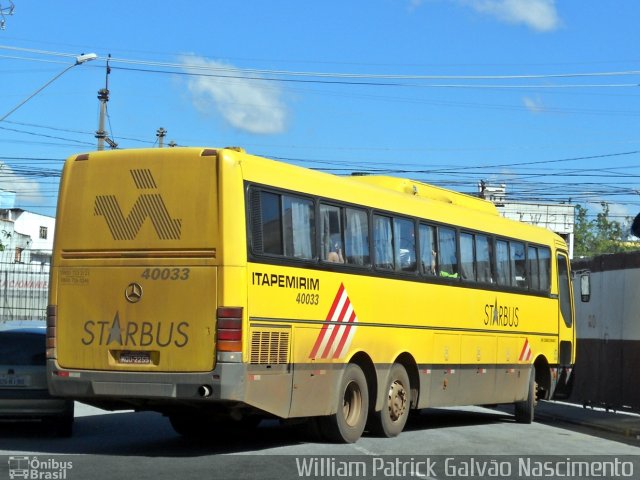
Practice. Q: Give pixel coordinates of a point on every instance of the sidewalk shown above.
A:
(621, 423)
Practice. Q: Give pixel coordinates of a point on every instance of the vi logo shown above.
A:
(148, 205)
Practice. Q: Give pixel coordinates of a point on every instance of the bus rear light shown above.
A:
(229, 312)
(229, 323)
(226, 334)
(52, 320)
(229, 329)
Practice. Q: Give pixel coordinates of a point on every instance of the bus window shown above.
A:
(405, 244)
(299, 227)
(271, 223)
(518, 264)
(428, 249)
(356, 236)
(467, 264)
(502, 263)
(483, 259)
(383, 242)
(533, 268)
(544, 256)
(564, 289)
(331, 234)
(447, 249)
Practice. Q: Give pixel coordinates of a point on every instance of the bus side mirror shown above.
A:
(585, 287)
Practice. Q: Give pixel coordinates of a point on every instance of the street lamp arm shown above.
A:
(79, 61)
(36, 92)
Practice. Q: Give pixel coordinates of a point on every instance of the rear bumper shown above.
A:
(122, 390)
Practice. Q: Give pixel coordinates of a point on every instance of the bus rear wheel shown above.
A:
(524, 410)
(390, 421)
(347, 424)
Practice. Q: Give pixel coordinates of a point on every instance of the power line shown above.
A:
(375, 79)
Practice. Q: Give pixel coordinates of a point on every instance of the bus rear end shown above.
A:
(135, 318)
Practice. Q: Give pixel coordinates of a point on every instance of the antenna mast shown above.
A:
(103, 96)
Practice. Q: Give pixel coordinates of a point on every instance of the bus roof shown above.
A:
(424, 190)
(400, 195)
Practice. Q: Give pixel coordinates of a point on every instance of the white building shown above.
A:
(557, 217)
(27, 241)
(25, 236)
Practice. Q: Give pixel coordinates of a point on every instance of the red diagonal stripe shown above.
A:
(345, 335)
(336, 327)
(524, 349)
(323, 330)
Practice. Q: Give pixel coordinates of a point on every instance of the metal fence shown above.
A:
(24, 285)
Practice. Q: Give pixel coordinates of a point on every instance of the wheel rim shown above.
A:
(397, 401)
(352, 404)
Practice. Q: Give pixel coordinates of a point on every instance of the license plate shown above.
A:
(135, 358)
(14, 380)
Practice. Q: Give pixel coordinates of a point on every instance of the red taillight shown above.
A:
(52, 318)
(229, 329)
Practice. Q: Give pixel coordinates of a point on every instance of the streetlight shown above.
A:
(80, 59)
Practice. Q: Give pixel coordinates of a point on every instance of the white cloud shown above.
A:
(540, 15)
(27, 190)
(255, 106)
(618, 212)
(533, 105)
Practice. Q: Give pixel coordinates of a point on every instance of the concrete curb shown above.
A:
(625, 424)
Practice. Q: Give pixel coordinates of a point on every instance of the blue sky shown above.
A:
(540, 95)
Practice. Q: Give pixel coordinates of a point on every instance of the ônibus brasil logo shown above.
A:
(32, 467)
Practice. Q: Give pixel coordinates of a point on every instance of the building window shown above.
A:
(19, 254)
(43, 233)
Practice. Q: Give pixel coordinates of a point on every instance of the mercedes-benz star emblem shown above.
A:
(133, 293)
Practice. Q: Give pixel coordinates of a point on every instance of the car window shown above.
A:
(19, 348)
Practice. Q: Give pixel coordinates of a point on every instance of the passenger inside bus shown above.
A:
(335, 254)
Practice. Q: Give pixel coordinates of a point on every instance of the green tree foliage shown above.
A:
(599, 235)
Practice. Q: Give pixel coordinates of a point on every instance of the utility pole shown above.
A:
(103, 96)
(5, 11)
(161, 133)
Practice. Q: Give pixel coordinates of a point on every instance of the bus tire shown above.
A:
(347, 424)
(390, 421)
(524, 410)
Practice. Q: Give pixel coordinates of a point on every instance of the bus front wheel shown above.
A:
(347, 424)
(525, 409)
(390, 421)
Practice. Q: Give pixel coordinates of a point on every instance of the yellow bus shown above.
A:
(220, 288)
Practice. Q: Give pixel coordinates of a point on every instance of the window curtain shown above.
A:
(383, 242)
(301, 219)
(357, 243)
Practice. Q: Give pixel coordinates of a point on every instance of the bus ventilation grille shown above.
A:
(269, 347)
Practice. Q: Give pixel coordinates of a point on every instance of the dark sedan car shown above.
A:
(23, 379)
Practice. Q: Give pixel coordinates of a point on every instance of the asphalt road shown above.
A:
(143, 445)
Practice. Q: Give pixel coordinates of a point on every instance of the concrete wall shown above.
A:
(608, 331)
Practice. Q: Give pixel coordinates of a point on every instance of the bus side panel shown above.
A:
(445, 387)
(314, 389)
(269, 368)
(478, 374)
(512, 376)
